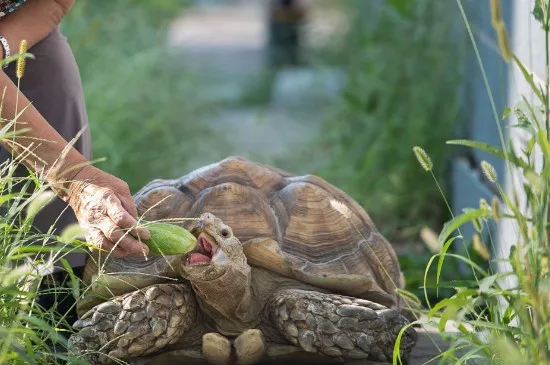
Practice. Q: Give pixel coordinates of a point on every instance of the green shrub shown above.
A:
(403, 68)
(503, 312)
(33, 327)
(30, 332)
(140, 103)
(145, 118)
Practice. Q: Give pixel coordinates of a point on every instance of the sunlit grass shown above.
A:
(502, 316)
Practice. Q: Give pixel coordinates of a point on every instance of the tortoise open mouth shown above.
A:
(203, 253)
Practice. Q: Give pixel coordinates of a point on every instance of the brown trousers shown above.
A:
(52, 83)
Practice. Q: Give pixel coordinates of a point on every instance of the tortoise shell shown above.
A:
(287, 224)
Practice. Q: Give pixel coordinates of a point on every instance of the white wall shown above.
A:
(527, 42)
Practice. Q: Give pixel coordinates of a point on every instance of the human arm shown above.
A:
(33, 21)
(102, 202)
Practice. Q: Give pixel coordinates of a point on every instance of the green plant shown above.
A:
(503, 316)
(125, 83)
(145, 116)
(32, 327)
(401, 91)
(30, 333)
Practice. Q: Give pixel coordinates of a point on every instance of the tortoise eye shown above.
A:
(225, 232)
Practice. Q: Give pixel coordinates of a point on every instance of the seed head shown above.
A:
(480, 248)
(20, 67)
(495, 207)
(496, 15)
(498, 26)
(341, 208)
(483, 204)
(489, 171)
(423, 159)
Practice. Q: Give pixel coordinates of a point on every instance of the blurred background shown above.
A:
(339, 88)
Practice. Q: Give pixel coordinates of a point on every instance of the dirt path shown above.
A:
(224, 42)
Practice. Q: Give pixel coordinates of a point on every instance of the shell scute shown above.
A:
(286, 224)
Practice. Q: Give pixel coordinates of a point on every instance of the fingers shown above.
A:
(124, 220)
(111, 225)
(98, 241)
(122, 238)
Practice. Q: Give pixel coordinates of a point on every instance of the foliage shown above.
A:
(502, 314)
(32, 329)
(145, 118)
(29, 331)
(403, 71)
(130, 84)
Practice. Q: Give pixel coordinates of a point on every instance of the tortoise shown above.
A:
(287, 268)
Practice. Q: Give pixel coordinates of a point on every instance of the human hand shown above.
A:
(105, 209)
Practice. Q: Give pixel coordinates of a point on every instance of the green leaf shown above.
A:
(508, 351)
(544, 145)
(444, 250)
(402, 6)
(530, 146)
(8, 197)
(426, 279)
(506, 113)
(450, 313)
(536, 182)
(39, 323)
(472, 264)
(538, 12)
(408, 295)
(15, 57)
(72, 233)
(449, 302)
(529, 78)
(487, 282)
(458, 221)
(38, 202)
(479, 145)
(75, 284)
(397, 345)
(489, 149)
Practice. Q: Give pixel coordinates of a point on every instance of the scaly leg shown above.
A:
(135, 324)
(339, 326)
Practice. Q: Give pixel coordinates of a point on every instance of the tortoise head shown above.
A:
(217, 251)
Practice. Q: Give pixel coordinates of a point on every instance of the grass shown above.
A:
(498, 322)
(130, 84)
(502, 312)
(143, 107)
(33, 327)
(403, 66)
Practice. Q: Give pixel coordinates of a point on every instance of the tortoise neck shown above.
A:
(229, 300)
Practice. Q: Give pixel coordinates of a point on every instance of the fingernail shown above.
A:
(145, 252)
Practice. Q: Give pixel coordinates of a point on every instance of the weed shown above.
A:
(503, 315)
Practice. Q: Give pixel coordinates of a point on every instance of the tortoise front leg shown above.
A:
(135, 324)
(339, 326)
